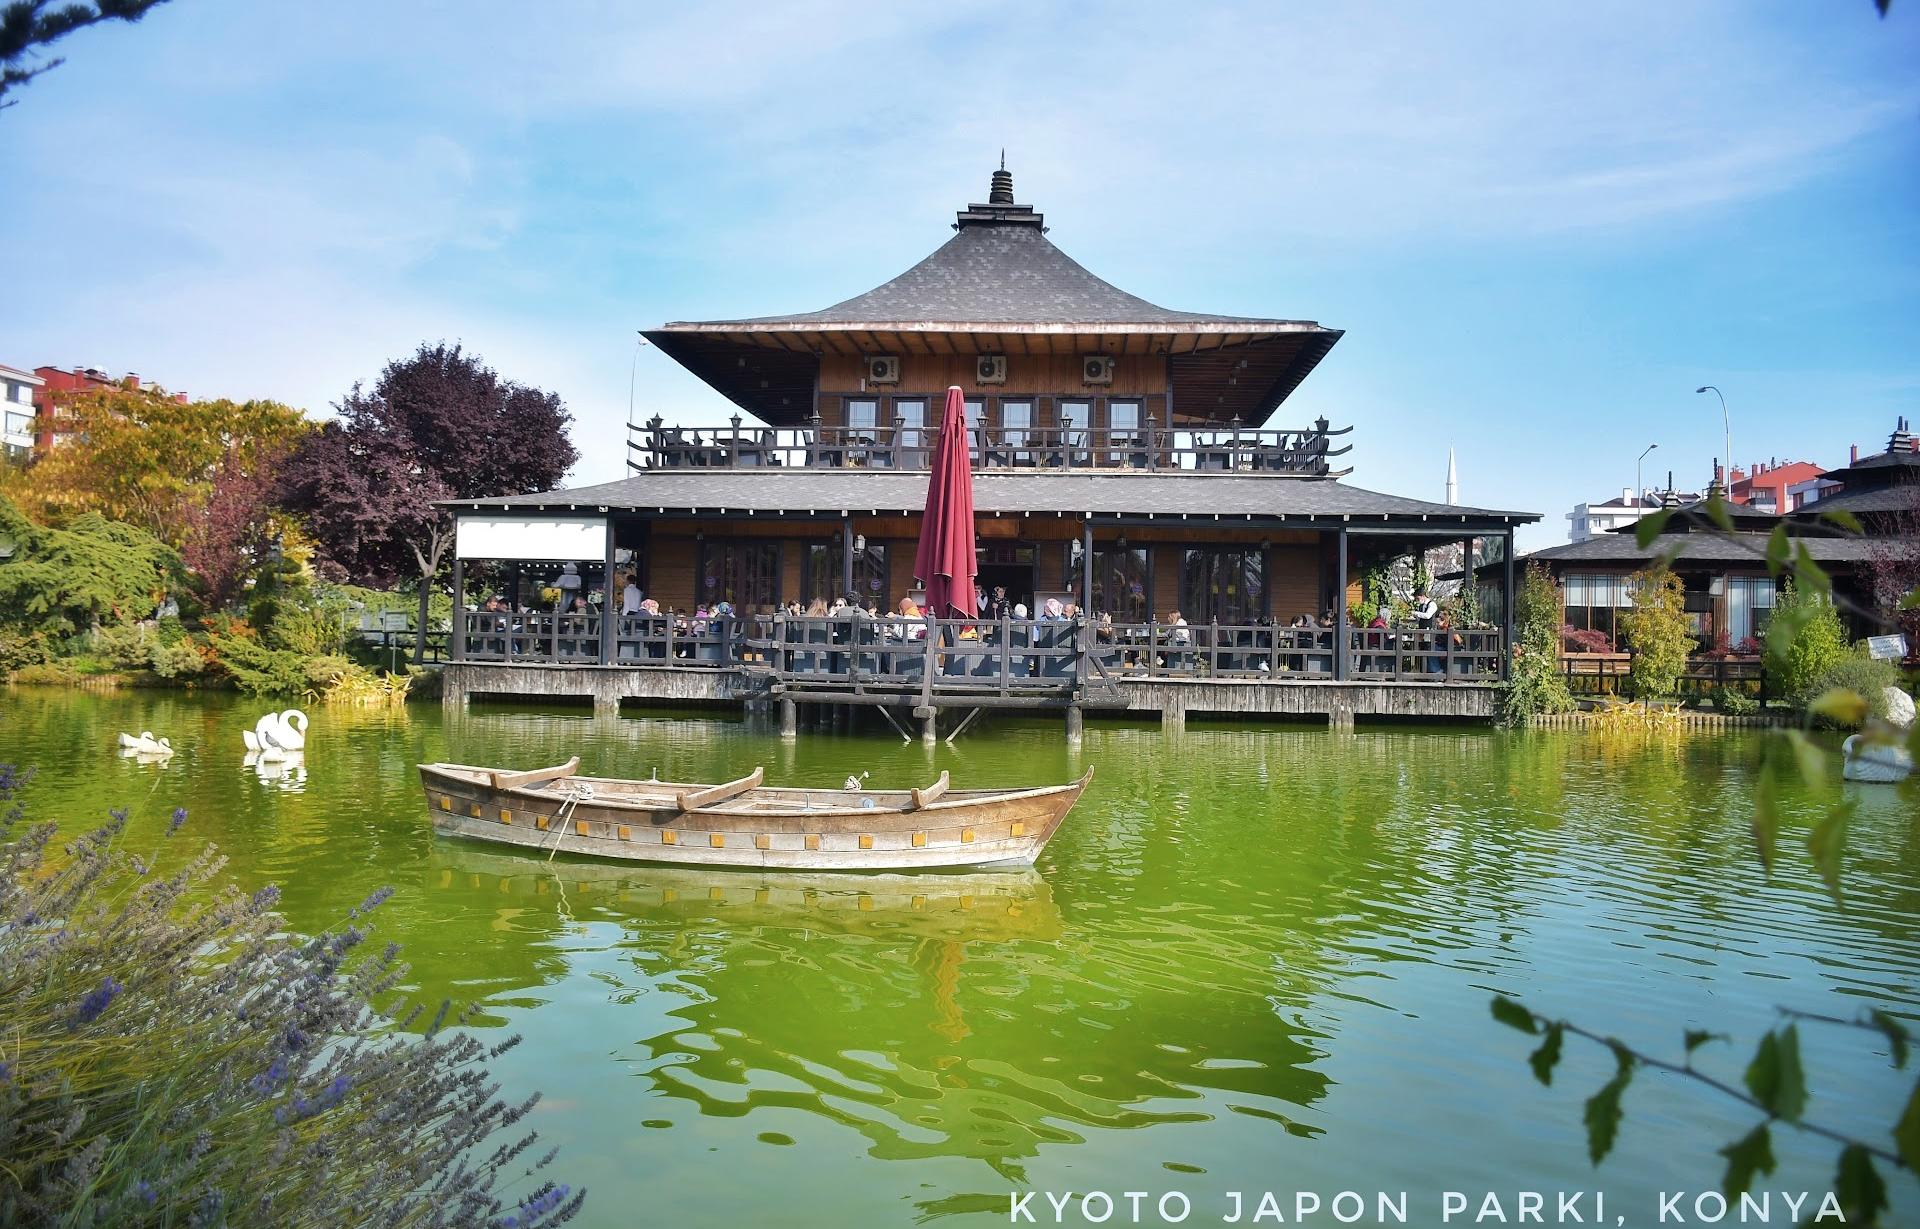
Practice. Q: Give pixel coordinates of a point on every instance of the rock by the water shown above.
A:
(1899, 709)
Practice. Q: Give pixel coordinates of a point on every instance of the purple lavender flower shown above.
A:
(374, 900)
(267, 897)
(535, 1207)
(6, 1072)
(179, 817)
(144, 1189)
(95, 1002)
(118, 815)
(269, 1079)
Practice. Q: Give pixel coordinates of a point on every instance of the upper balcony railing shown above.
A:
(901, 446)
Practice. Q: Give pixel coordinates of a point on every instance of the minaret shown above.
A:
(1453, 480)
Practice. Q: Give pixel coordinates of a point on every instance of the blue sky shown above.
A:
(1542, 226)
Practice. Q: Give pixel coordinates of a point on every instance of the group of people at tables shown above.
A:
(713, 632)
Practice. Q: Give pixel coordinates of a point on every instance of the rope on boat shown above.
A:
(576, 792)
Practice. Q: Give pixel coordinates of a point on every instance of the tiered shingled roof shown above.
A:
(1000, 286)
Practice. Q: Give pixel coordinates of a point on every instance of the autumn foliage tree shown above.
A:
(437, 425)
(200, 476)
(141, 457)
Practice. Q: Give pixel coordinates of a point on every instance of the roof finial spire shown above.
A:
(1001, 192)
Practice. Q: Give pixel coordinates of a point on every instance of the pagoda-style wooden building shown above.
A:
(1128, 459)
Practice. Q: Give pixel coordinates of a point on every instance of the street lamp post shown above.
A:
(1639, 491)
(1726, 425)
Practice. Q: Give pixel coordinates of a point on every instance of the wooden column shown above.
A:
(457, 638)
(609, 602)
(1086, 566)
(1506, 614)
(1340, 613)
(846, 554)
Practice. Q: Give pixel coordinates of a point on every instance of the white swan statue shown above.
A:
(256, 738)
(1876, 761)
(285, 731)
(146, 744)
(291, 730)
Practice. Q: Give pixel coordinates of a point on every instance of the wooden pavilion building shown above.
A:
(1129, 459)
(1872, 514)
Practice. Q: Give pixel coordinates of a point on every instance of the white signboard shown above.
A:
(505, 536)
(1893, 647)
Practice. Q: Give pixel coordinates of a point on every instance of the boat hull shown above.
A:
(762, 828)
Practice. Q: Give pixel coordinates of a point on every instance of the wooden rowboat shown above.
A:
(746, 823)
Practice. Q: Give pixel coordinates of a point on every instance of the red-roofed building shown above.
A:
(1764, 486)
(59, 385)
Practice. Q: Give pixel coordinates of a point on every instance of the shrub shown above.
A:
(1584, 639)
(257, 669)
(324, 672)
(1535, 683)
(20, 648)
(1618, 718)
(1734, 702)
(176, 659)
(308, 625)
(1657, 633)
(47, 674)
(124, 647)
(1804, 639)
(175, 1057)
(1852, 690)
(359, 689)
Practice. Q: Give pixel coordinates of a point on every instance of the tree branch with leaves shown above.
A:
(27, 27)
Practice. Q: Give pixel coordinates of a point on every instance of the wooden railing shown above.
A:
(899, 446)
(1597, 674)
(1427, 654)
(1008, 656)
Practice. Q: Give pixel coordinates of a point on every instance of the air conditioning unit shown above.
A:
(883, 369)
(1096, 369)
(991, 369)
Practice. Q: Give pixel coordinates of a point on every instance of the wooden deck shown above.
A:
(1339, 703)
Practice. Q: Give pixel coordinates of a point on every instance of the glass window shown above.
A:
(910, 414)
(1593, 603)
(1120, 584)
(1123, 429)
(862, 414)
(1016, 420)
(746, 573)
(1075, 418)
(824, 576)
(1223, 585)
(1750, 602)
(974, 411)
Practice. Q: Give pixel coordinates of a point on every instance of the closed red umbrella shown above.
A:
(945, 560)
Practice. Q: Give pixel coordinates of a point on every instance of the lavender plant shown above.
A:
(171, 1055)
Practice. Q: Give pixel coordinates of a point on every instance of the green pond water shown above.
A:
(1254, 959)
